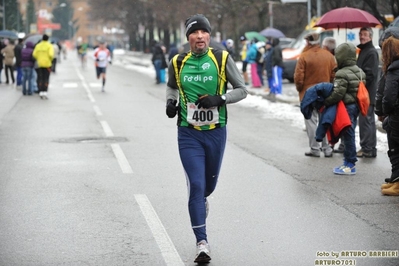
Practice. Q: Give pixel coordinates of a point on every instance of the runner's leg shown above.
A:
(192, 156)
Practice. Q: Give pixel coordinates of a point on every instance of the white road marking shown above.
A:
(89, 94)
(79, 75)
(118, 152)
(91, 98)
(162, 238)
(95, 85)
(97, 110)
(121, 158)
(107, 129)
(70, 85)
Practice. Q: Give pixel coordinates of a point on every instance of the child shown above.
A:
(346, 83)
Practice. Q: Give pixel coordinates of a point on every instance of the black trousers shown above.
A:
(53, 65)
(43, 78)
(11, 70)
(391, 125)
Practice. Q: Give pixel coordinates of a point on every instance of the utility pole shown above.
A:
(309, 11)
(17, 16)
(318, 8)
(271, 3)
(4, 16)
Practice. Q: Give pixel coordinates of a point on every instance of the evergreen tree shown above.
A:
(12, 15)
(30, 15)
(63, 15)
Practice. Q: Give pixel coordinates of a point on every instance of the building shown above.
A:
(87, 30)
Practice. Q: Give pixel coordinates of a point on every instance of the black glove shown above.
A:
(208, 101)
(171, 108)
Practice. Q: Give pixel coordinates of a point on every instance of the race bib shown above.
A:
(201, 116)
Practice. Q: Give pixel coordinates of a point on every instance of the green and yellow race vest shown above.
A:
(197, 76)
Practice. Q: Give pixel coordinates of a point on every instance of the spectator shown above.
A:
(172, 51)
(9, 56)
(329, 44)
(269, 71)
(277, 66)
(260, 62)
(244, 48)
(18, 61)
(27, 64)
(43, 53)
(56, 53)
(315, 65)
(251, 59)
(346, 83)
(386, 105)
(368, 62)
(157, 59)
(230, 48)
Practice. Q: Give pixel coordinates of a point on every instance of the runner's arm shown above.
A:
(95, 54)
(172, 91)
(233, 75)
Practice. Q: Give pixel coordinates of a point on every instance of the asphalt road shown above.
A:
(91, 178)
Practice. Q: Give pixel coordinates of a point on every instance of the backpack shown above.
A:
(362, 97)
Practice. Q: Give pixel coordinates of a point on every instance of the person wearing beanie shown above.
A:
(197, 93)
(386, 107)
(244, 49)
(43, 53)
(197, 22)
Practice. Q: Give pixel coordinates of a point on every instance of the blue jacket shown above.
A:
(251, 54)
(314, 98)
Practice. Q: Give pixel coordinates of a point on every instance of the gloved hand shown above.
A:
(208, 101)
(171, 108)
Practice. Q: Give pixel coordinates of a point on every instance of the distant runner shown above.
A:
(102, 57)
(82, 52)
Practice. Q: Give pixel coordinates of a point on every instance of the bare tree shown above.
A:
(162, 19)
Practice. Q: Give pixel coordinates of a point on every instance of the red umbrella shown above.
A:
(347, 18)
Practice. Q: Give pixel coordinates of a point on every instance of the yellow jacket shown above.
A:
(43, 53)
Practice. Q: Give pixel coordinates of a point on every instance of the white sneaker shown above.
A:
(203, 252)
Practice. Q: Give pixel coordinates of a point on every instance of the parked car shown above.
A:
(286, 42)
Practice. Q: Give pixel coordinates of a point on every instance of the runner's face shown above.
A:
(199, 41)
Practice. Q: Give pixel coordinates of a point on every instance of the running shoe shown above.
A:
(203, 252)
